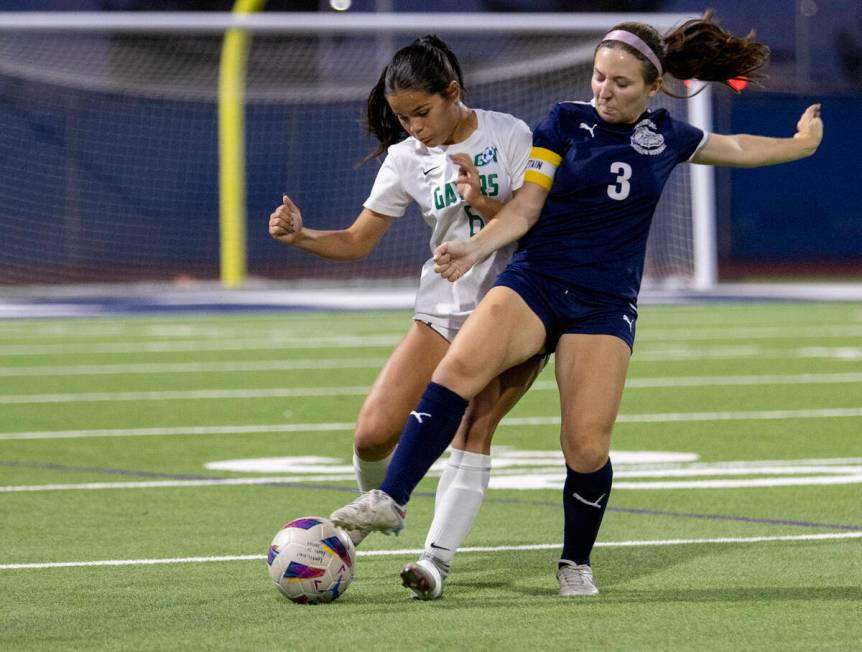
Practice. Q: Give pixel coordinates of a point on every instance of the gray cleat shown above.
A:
(576, 579)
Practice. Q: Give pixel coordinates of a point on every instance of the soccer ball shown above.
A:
(310, 560)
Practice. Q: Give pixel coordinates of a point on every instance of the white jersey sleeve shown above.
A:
(388, 196)
(516, 151)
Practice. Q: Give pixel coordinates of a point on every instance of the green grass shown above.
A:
(723, 592)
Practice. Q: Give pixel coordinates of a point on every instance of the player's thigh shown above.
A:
(398, 388)
(502, 332)
(591, 373)
(489, 406)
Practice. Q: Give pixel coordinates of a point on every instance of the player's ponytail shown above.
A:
(702, 49)
(698, 49)
(381, 121)
(426, 65)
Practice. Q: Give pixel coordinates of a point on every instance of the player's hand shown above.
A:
(810, 127)
(285, 223)
(467, 183)
(454, 259)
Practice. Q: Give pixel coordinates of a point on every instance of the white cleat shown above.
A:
(424, 579)
(576, 579)
(373, 510)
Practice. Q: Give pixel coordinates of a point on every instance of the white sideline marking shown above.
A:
(643, 354)
(184, 395)
(832, 472)
(190, 367)
(477, 549)
(755, 379)
(191, 430)
(270, 341)
(542, 385)
(666, 417)
(255, 344)
(750, 332)
(161, 484)
(833, 352)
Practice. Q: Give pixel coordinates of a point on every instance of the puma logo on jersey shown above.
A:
(429, 170)
(419, 415)
(629, 321)
(592, 129)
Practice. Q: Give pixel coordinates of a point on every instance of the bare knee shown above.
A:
(460, 374)
(586, 448)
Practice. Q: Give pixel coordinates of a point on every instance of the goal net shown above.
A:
(110, 156)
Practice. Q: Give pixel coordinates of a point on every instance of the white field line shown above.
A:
(289, 341)
(245, 321)
(190, 367)
(288, 392)
(187, 395)
(749, 332)
(838, 536)
(532, 480)
(703, 470)
(667, 417)
(748, 317)
(60, 328)
(189, 331)
(747, 483)
(166, 484)
(848, 353)
(641, 355)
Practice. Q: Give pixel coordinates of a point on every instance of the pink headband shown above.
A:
(635, 41)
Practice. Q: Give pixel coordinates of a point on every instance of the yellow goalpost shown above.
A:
(231, 126)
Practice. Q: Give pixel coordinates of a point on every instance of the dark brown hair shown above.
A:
(698, 49)
(428, 65)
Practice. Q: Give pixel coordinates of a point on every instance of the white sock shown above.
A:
(459, 504)
(370, 475)
(449, 472)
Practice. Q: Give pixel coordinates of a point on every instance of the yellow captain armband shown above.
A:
(542, 166)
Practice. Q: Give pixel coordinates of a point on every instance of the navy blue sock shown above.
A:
(428, 432)
(585, 497)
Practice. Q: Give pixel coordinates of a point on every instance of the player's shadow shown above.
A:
(535, 570)
(533, 575)
(737, 594)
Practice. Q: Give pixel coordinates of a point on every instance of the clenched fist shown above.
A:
(285, 223)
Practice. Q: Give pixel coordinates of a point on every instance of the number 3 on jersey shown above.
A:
(620, 190)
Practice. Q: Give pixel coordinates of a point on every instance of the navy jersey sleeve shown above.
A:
(687, 139)
(547, 133)
(547, 152)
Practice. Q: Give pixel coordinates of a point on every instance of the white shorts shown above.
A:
(443, 330)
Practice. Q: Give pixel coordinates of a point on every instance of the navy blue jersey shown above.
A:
(605, 181)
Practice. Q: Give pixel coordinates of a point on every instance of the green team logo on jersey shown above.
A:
(485, 157)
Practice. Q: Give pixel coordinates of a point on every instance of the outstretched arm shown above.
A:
(356, 241)
(454, 259)
(745, 151)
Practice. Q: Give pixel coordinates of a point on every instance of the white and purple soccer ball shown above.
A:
(311, 560)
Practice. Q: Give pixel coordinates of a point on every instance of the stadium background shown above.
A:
(764, 230)
(136, 511)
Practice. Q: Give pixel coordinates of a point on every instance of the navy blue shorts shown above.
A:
(566, 309)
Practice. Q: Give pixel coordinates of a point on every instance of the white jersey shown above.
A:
(499, 148)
